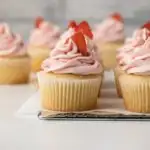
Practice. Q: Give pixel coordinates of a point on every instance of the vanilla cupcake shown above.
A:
(42, 40)
(71, 76)
(14, 61)
(135, 81)
(109, 36)
(129, 45)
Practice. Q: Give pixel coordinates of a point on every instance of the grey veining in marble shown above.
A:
(20, 13)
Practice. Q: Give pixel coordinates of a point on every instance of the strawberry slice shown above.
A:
(146, 25)
(79, 39)
(38, 21)
(117, 17)
(85, 28)
(72, 24)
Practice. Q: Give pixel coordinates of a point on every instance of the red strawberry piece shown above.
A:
(117, 16)
(38, 21)
(72, 24)
(79, 39)
(85, 28)
(146, 25)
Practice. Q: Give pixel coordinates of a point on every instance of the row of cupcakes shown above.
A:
(18, 59)
(71, 77)
(71, 74)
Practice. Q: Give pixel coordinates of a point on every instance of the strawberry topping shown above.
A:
(79, 40)
(72, 24)
(146, 25)
(117, 17)
(38, 21)
(85, 28)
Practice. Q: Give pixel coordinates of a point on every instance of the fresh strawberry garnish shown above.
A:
(85, 29)
(72, 24)
(79, 40)
(38, 21)
(117, 16)
(146, 25)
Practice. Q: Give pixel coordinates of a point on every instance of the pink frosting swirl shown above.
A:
(134, 57)
(110, 30)
(136, 33)
(10, 44)
(45, 35)
(65, 58)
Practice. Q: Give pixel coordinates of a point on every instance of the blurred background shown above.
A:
(21, 13)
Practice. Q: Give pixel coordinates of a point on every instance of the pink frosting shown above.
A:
(134, 57)
(10, 44)
(46, 35)
(135, 34)
(65, 58)
(110, 30)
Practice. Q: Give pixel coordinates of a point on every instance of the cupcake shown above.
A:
(109, 36)
(42, 40)
(129, 45)
(135, 81)
(71, 76)
(14, 61)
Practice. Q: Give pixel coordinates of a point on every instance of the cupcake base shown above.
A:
(14, 70)
(68, 92)
(136, 92)
(38, 55)
(108, 52)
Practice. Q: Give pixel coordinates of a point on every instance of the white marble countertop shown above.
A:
(31, 134)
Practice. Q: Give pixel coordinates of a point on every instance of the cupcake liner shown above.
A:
(68, 92)
(117, 73)
(136, 92)
(14, 70)
(38, 55)
(107, 52)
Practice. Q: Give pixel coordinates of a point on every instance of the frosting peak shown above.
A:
(110, 30)
(72, 54)
(138, 32)
(10, 44)
(45, 34)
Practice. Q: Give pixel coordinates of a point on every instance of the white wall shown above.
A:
(20, 13)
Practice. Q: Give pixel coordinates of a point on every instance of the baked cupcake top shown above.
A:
(11, 44)
(110, 30)
(136, 56)
(45, 34)
(74, 53)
